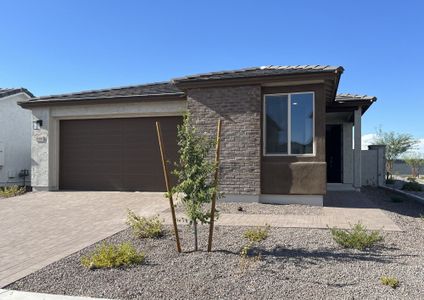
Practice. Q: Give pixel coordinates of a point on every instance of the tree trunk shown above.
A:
(195, 235)
(389, 167)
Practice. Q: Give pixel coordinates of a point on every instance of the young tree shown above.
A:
(194, 172)
(415, 160)
(396, 144)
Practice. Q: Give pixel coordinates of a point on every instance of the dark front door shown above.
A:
(334, 158)
(115, 154)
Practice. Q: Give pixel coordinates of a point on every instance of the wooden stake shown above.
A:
(166, 176)
(217, 150)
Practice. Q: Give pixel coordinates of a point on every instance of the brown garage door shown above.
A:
(115, 154)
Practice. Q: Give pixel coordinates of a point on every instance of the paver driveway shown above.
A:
(37, 229)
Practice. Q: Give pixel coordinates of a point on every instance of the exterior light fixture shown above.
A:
(36, 125)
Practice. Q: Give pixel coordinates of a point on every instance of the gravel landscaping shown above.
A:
(257, 208)
(295, 263)
(398, 184)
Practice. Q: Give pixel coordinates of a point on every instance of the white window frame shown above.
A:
(289, 127)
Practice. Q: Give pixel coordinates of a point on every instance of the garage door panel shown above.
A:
(115, 154)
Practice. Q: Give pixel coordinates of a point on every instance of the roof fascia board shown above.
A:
(102, 100)
(17, 92)
(183, 85)
(345, 108)
(14, 95)
(290, 83)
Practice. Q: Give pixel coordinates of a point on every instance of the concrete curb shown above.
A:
(406, 194)
(19, 295)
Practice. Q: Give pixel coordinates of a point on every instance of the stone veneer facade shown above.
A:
(240, 110)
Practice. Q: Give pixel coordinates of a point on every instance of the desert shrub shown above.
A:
(145, 227)
(253, 236)
(112, 256)
(256, 234)
(357, 237)
(11, 191)
(393, 282)
(390, 181)
(412, 185)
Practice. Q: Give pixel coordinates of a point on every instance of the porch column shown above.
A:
(357, 151)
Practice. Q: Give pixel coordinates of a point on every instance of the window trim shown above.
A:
(289, 125)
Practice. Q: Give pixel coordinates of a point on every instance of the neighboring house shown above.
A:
(277, 123)
(15, 137)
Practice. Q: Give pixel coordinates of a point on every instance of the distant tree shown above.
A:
(415, 160)
(396, 144)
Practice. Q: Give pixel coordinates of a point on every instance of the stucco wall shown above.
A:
(302, 174)
(373, 165)
(40, 150)
(15, 135)
(239, 108)
(45, 142)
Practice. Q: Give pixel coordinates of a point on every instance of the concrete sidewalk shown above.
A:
(341, 210)
(373, 219)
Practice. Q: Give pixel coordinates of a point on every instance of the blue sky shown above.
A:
(64, 46)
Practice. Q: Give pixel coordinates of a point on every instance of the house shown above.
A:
(15, 137)
(286, 133)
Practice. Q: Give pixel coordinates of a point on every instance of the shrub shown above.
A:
(393, 282)
(390, 181)
(113, 256)
(11, 191)
(356, 238)
(253, 236)
(257, 234)
(412, 185)
(145, 227)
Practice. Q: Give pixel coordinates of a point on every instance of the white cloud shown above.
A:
(367, 139)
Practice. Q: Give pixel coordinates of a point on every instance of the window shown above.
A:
(289, 124)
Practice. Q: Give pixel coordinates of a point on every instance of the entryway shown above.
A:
(334, 152)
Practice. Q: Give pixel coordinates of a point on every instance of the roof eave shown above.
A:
(185, 84)
(350, 105)
(339, 71)
(18, 91)
(100, 100)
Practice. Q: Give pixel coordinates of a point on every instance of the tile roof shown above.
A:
(261, 71)
(354, 97)
(151, 89)
(4, 92)
(169, 87)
